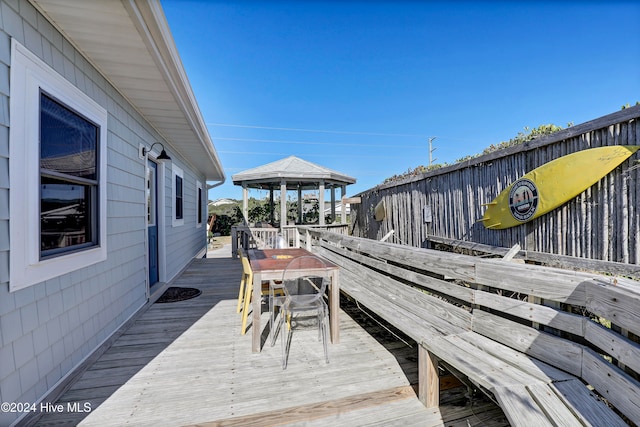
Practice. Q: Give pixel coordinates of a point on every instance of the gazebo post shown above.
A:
(333, 203)
(283, 205)
(245, 203)
(299, 204)
(343, 205)
(271, 206)
(321, 203)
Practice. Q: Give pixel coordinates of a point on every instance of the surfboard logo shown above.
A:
(523, 199)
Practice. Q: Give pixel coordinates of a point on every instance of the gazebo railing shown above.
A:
(246, 237)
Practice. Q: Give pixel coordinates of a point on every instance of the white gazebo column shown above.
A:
(343, 213)
(283, 205)
(333, 203)
(245, 203)
(299, 204)
(271, 206)
(321, 203)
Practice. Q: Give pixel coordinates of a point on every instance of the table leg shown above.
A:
(334, 308)
(256, 307)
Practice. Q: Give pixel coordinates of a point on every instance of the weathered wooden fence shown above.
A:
(601, 223)
(506, 326)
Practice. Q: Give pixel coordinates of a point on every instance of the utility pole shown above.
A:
(431, 150)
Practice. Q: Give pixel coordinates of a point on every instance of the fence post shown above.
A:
(428, 379)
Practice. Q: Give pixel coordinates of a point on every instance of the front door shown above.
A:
(152, 220)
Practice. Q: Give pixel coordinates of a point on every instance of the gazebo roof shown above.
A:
(297, 173)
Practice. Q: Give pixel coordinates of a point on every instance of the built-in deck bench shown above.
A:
(521, 333)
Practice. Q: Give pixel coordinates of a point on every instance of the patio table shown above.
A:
(269, 264)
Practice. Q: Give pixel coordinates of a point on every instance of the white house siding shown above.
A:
(48, 329)
(185, 241)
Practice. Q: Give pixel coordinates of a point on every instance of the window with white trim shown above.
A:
(178, 196)
(199, 204)
(68, 179)
(57, 163)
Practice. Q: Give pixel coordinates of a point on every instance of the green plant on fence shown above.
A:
(415, 172)
(526, 135)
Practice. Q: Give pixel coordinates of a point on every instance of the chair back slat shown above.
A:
(305, 280)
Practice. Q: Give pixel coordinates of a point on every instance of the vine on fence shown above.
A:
(522, 137)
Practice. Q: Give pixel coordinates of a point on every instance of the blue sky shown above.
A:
(360, 86)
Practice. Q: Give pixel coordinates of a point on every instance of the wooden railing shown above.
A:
(550, 260)
(246, 237)
(527, 335)
(291, 236)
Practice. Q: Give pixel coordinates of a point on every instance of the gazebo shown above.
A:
(292, 173)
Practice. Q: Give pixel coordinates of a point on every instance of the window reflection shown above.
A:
(178, 197)
(63, 214)
(68, 141)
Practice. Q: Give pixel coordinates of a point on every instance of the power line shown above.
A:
(318, 130)
(342, 155)
(314, 143)
(404, 135)
(359, 172)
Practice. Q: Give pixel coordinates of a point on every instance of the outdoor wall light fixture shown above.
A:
(163, 154)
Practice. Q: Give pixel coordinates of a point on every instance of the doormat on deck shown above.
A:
(175, 294)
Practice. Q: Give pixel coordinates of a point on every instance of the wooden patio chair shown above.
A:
(243, 281)
(245, 300)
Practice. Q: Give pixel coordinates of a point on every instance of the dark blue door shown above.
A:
(152, 221)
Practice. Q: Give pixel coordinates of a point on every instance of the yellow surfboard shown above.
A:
(553, 184)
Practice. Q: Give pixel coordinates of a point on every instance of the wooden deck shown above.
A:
(185, 363)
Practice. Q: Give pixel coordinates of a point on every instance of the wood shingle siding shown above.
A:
(50, 328)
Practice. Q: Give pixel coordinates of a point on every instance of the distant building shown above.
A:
(222, 202)
(327, 209)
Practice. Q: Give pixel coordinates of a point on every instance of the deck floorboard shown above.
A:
(186, 363)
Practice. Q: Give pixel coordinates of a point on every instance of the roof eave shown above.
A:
(191, 139)
(309, 179)
(168, 58)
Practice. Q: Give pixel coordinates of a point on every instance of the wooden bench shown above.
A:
(515, 331)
